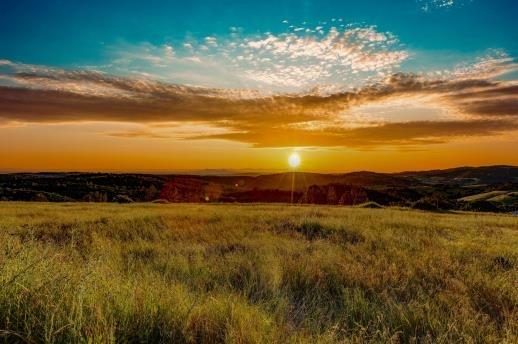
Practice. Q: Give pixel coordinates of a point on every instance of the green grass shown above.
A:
(77, 273)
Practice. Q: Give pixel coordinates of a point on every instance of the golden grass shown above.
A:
(255, 274)
(483, 196)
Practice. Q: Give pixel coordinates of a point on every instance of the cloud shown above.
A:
(479, 106)
(507, 106)
(131, 134)
(389, 134)
(305, 56)
(429, 5)
(299, 58)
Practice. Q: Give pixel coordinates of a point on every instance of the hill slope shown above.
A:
(427, 189)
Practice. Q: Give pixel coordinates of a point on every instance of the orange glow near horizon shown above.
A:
(76, 147)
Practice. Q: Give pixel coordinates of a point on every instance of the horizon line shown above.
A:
(232, 172)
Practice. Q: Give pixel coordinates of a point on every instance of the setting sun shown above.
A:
(294, 160)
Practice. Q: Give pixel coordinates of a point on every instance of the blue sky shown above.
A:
(72, 33)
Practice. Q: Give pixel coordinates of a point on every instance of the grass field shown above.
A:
(93, 273)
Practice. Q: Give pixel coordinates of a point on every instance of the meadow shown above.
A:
(189, 273)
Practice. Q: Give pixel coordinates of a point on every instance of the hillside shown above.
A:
(440, 189)
(484, 196)
(506, 197)
(468, 175)
(219, 273)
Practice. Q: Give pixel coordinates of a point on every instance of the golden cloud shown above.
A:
(48, 95)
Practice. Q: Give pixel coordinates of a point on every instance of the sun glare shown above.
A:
(294, 160)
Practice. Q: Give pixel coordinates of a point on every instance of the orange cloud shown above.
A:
(50, 95)
(394, 134)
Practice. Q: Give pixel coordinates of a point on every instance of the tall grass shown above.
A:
(100, 273)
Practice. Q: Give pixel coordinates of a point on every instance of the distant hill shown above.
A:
(467, 175)
(457, 188)
(282, 181)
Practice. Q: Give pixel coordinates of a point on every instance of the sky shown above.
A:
(164, 86)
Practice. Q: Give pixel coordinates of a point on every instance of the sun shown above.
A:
(294, 160)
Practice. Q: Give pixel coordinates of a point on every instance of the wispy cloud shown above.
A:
(143, 133)
(300, 57)
(429, 5)
(389, 134)
(311, 56)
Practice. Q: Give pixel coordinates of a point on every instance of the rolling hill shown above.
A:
(456, 188)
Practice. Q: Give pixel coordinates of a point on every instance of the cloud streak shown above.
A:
(389, 134)
(481, 105)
